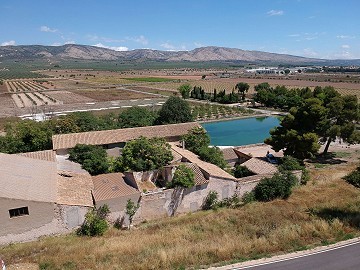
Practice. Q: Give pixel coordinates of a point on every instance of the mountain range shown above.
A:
(211, 53)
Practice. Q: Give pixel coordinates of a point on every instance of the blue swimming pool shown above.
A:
(240, 131)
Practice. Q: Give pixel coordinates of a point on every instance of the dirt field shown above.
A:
(111, 94)
(69, 97)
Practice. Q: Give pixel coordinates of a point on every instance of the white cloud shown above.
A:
(140, 39)
(170, 47)
(45, 28)
(275, 12)
(345, 46)
(198, 44)
(119, 49)
(8, 43)
(69, 42)
(345, 37)
(294, 35)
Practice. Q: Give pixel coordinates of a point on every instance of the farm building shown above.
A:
(116, 138)
(36, 199)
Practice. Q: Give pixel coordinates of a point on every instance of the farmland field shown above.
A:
(68, 97)
(111, 94)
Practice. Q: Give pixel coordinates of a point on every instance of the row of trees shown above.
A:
(28, 135)
(197, 92)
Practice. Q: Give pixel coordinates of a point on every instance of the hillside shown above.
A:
(204, 54)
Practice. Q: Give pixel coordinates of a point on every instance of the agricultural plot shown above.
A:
(67, 97)
(112, 94)
(25, 86)
(24, 100)
(6, 105)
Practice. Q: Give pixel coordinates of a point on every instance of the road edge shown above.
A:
(288, 256)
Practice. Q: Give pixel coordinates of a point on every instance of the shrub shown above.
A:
(305, 177)
(183, 177)
(289, 163)
(248, 197)
(278, 186)
(211, 200)
(184, 90)
(353, 178)
(232, 202)
(242, 171)
(95, 223)
(212, 155)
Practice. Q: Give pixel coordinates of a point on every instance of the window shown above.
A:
(23, 211)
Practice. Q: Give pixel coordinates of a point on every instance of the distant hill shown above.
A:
(85, 52)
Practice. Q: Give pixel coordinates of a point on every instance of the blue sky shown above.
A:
(312, 28)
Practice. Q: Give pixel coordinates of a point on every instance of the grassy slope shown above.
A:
(325, 210)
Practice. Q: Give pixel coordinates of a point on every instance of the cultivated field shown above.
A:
(28, 85)
(112, 94)
(69, 97)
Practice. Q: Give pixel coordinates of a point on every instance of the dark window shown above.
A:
(23, 211)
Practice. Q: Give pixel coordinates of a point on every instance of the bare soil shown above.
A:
(112, 94)
(69, 97)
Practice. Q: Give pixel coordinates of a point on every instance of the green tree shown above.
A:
(175, 110)
(242, 88)
(196, 139)
(213, 155)
(130, 210)
(27, 136)
(143, 154)
(183, 177)
(289, 163)
(92, 158)
(95, 223)
(136, 117)
(184, 90)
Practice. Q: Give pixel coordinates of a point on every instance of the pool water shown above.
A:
(240, 131)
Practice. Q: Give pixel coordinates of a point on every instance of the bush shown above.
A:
(289, 163)
(183, 177)
(353, 178)
(211, 201)
(305, 177)
(248, 197)
(242, 171)
(95, 223)
(278, 186)
(213, 155)
(232, 202)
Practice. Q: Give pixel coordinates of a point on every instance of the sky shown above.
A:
(327, 29)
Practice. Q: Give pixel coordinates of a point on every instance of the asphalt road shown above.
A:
(343, 257)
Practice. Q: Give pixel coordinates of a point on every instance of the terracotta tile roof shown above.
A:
(176, 157)
(65, 141)
(26, 178)
(199, 176)
(259, 166)
(209, 168)
(111, 185)
(229, 153)
(48, 155)
(74, 189)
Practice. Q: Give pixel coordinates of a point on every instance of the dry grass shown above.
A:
(325, 210)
